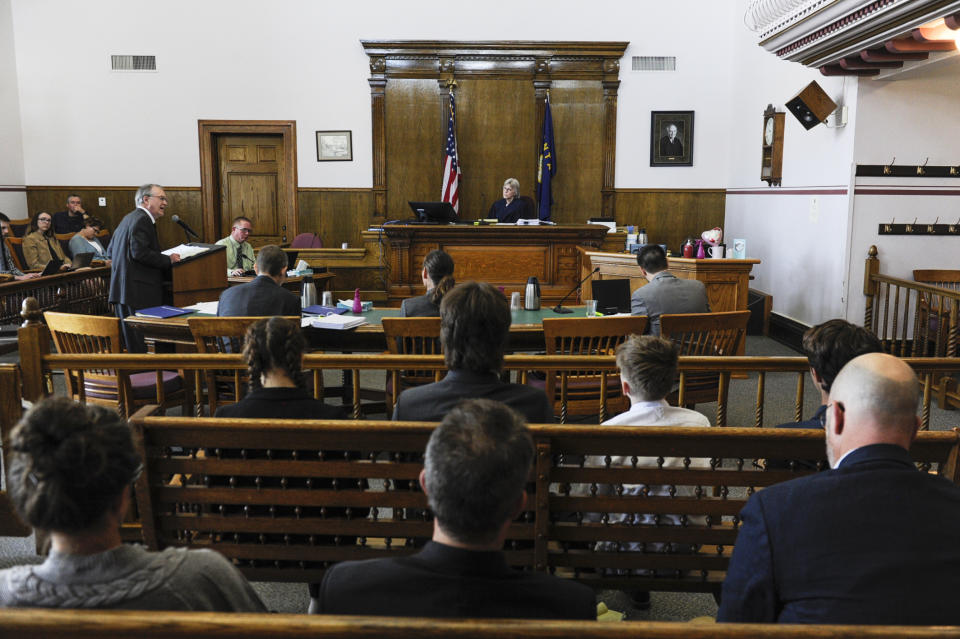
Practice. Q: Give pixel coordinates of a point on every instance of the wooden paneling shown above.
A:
(497, 138)
(671, 215)
(336, 215)
(577, 109)
(182, 201)
(416, 129)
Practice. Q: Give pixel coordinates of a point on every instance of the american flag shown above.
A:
(451, 167)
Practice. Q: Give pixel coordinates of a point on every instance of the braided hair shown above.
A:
(274, 343)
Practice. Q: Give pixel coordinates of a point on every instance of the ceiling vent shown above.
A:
(654, 63)
(133, 62)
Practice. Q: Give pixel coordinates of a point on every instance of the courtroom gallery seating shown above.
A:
(410, 336)
(15, 247)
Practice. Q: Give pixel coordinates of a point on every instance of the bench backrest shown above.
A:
(286, 499)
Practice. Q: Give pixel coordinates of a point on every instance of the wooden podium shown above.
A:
(201, 277)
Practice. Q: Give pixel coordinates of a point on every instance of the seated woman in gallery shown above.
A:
(273, 349)
(40, 245)
(85, 240)
(437, 276)
(511, 207)
(72, 467)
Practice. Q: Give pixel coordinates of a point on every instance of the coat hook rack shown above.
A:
(917, 170)
(913, 228)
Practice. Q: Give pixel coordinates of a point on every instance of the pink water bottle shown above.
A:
(357, 306)
(701, 254)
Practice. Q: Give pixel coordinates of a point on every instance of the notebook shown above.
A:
(162, 312)
(613, 296)
(338, 322)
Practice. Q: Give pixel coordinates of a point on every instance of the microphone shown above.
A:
(184, 226)
(559, 307)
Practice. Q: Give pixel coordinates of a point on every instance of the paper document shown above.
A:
(185, 251)
(338, 322)
(209, 308)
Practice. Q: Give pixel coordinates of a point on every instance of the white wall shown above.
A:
(802, 242)
(913, 117)
(302, 60)
(13, 200)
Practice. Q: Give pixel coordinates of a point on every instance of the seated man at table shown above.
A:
(665, 292)
(265, 295)
(239, 251)
(476, 466)
(474, 327)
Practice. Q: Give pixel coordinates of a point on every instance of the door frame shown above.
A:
(209, 171)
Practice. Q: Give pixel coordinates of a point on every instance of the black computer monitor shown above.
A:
(434, 212)
(613, 296)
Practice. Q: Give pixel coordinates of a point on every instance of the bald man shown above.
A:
(871, 541)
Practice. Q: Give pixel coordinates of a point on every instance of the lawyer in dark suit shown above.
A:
(437, 276)
(873, 541)
(665, 292)
(477, 463)
(474, 327)
(264, 295)
(138, 268)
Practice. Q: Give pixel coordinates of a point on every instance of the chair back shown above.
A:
(704, 335)
(104, 236)
(15, 247)
(529, 204)
(933, 323)
(221, 335)
(588, 392)
(943, 278)
(19, 228)
(85, 334)
(411, 336)
(64, 239)
(307, 240)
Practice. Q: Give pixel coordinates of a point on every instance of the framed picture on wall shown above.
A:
(671, 138)
(334, 146)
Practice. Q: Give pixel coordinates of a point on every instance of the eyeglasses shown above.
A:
(242, 230)
(44, 219)
(823, 415)
(162, 198)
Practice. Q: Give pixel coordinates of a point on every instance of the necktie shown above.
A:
(239, 262)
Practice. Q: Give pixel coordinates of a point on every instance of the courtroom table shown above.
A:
(526, 331)
(500, 254)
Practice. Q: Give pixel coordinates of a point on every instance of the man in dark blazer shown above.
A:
(476, 466)
(138, 266)
(872, 541)
(665, 292)
(474, 327)
(264, 295)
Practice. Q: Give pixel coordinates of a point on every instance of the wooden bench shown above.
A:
(274, 497)
(119, 624)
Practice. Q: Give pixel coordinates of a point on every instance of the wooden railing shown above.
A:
(153, 624)
(83, 291)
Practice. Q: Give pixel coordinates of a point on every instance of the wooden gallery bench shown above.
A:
(119, 624)
(284, 500)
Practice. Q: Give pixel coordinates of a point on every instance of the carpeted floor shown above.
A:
(665, 606)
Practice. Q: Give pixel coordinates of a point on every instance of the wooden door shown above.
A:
(251, 173)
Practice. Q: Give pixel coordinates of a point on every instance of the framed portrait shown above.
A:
(334, 146)
(671, 138)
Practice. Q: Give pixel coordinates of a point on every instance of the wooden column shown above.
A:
(611, 67)
(378, 108)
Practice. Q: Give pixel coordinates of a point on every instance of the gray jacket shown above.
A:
(666, 293)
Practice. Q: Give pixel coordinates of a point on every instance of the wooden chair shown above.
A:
(104, 236)
(223, 335)
(933, 319)
(307, 240)
(85, 334)
(587, 392)
(15, 247)
(410, 336)
(704, 335)
(64, 239)
(19, 228)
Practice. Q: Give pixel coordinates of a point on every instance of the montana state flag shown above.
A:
(547, 164)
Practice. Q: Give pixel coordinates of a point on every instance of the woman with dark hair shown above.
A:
(85, 240)
(71, 469)
(437, 276)
(40, 245)
(273, 349)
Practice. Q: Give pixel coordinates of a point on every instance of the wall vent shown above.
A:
(133, 62)
(654, 63)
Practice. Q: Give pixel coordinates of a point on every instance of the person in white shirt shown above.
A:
(648, 368)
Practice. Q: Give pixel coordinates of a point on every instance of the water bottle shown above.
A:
(642, 236)
(631, 237)
(308, 295)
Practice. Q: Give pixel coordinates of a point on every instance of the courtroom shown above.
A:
(502, 319)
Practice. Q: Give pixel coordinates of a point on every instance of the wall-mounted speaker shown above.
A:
(811, 106)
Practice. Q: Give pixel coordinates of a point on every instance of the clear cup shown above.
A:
(327, 298)
(591, 307)
(515, 304)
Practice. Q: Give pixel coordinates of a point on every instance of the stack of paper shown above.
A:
(185, 251)
(338, 322)
(207, 308)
